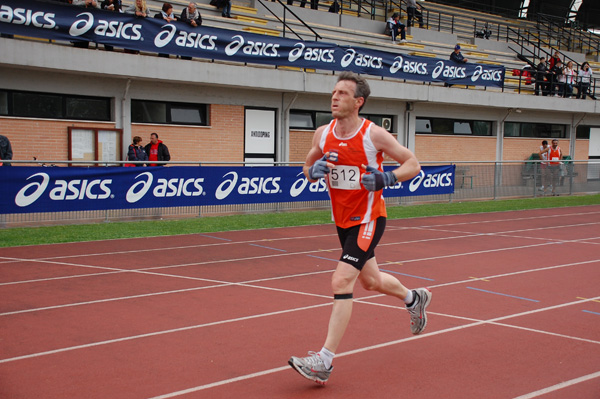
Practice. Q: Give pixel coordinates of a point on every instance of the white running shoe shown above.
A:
(418, 316)
(311, 367)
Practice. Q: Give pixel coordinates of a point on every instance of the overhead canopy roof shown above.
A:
(588, 15)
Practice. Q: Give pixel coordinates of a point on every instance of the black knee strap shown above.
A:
(342, 296)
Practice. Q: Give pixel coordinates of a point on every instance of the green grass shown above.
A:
(104, 231)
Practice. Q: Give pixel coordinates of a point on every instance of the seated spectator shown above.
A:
(585, 79)
(457, 56)
(140, 9)
(167, 13)
(86, 4)
(540, 78)
(225, 5)
(393, 26)
(335, 7)
(412, 13)
(485, 32)
(111, 5)
(190, 15)
(569, 78)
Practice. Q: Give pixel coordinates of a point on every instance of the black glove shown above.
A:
(374, 180)
(319, 169)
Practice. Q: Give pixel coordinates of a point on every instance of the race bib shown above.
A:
(345, 177)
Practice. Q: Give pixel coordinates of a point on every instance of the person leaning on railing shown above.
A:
(585, 79)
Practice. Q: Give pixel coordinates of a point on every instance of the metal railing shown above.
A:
(472, 180)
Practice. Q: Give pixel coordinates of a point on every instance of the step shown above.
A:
(423, 54)
(247, 10)
(467, 46)
(252, 20)
(291, 68)
(261, 31)
(477, 54)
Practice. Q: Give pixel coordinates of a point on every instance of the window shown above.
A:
(143, 111)
(310, 120)
(453, 127)
(541, 130)
(54, 106)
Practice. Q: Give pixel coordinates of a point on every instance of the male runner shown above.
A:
(350, 152)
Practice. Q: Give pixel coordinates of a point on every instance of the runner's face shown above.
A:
(343, 102)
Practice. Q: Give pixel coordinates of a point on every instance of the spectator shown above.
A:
(554, 155)
(112, 5)
(585, 79)
(86, 3)
(167, 13)
(225, 5)
(5, 151)
(140, 9)
(393, 26)
(485, 32)
(191, 16)
(540, 78)
(335, 7)
(413, 13)
(457, 56)
(557, 79)
(136, 152)
(554, 58)
(544, 165)
(569, 77)
(157, 151)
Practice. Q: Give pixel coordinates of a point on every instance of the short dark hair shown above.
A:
(154, 134)
(544, 142)
(362, 86)
(166, 6)
(136, 139)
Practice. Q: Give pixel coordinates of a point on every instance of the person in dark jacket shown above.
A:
(136, 152)
(5, 151)
(157, 151)
(540, 78)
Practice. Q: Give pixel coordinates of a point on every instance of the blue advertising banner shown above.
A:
(65, 22)
(56, 189)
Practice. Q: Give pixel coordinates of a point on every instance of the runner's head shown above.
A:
(362, 87)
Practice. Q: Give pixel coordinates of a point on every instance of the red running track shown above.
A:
(515, 313)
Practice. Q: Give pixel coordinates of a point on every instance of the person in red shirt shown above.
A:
(348, 153)
(157, 151)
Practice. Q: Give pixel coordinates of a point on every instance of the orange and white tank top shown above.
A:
(351, 203)
(554, 155)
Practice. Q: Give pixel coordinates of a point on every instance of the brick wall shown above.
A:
(517, 148)
(41, 138)
(300, 143)
(48, 139)
(441, 148)
(223, 140)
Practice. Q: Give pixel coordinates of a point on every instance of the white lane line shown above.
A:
(559, 386)
(364, 349)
